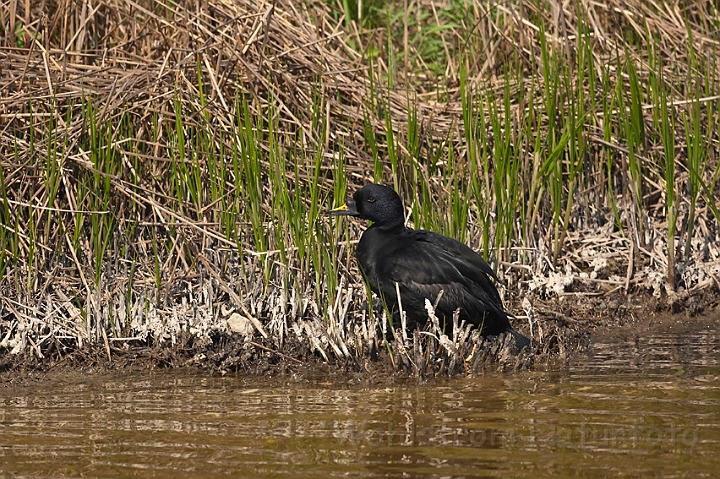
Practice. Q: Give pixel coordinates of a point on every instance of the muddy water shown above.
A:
(642, 403)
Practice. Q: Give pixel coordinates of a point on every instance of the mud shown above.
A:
(565, 325)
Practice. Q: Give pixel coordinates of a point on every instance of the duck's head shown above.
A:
(377, 203)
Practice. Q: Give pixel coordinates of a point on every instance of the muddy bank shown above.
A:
(563, 329)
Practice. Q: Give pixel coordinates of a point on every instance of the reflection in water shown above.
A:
(635, 406)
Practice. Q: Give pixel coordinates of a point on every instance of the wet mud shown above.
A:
(562, 327)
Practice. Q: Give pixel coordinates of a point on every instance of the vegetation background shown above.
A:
(166, 166)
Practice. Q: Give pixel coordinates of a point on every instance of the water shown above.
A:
(640, 404)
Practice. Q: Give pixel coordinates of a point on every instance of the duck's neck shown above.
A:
(390, 227)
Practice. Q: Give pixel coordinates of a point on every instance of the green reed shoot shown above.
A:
(695, 165)
(552, 169)
(574, 132)
(476, 152)
(536, 189)
(7, 238)
(392, 153)
(53, 173)
(370, 107)
(506, 171)
(634, 130)
(251, 172)
(695, 145)
(712, 119)
(609, 104)
(667, 134)
(98, 182)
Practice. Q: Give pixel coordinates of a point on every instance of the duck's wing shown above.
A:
(459, 257)
(469, 263)
(424, 263)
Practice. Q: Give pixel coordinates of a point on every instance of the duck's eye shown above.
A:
(371, 199)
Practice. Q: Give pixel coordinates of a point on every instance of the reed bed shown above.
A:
(165, 168)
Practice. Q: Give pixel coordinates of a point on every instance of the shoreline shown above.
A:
(568, 331)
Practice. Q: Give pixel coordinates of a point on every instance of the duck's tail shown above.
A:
(521, 342)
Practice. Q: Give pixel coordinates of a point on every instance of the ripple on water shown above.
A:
(640, 403)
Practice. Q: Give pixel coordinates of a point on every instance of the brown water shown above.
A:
(644, 404)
